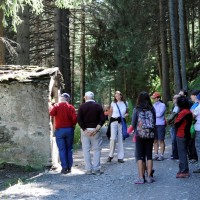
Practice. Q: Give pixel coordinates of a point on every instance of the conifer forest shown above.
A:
(106, 45)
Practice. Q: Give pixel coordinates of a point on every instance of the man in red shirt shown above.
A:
(65, 121)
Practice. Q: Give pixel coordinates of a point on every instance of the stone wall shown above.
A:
(24, 123)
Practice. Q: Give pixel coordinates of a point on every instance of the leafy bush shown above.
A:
(77, 136)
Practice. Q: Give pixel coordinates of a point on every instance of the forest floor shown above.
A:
(116, 183)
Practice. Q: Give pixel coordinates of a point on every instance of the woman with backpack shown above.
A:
(143, 121)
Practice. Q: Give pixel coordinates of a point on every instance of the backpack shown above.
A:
(145, 124)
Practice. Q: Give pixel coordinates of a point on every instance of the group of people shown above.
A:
(148, 123)
(90, 119)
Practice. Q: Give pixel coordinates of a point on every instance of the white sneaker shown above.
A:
(161, 158)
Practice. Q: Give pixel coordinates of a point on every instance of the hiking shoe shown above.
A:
(109, 159)
(196, 171)
(152, 172)
(193, 161)
(139, 180)
(88, 172)
(120, 161)
(97, 172)
(182, 175)
(64, 171)
(149, 179)
(69, 170)
(155, 157)
(161, 158)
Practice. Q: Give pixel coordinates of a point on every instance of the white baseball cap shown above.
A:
(89, 94)
(66, 95)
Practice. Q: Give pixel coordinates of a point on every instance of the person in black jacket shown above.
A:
(91, 118)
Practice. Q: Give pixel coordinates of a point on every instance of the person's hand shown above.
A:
(88, 133)
(94, 132)
(126, 115)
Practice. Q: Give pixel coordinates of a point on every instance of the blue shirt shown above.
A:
(194, 106)
(160, 112)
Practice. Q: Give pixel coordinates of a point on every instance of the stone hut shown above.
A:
(25, 133)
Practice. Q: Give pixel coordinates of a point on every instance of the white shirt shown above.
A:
(176, 109)
(122, 107)
(196, 113)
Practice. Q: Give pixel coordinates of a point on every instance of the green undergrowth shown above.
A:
(77, 137)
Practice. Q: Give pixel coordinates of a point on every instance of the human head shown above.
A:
(89, 95)
(183, 93)
(175, 98)
(182, 102)
(156, 96)
(118, 96)
(144, 100)
(194, 94)
(65, 97)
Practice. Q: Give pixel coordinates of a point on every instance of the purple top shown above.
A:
(160, 112)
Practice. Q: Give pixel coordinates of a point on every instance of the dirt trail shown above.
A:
(117, 182)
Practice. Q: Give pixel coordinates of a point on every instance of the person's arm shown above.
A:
(134, 119)
(196, 112)
(100, 124)
(110, 111)
(126, 114)
(179, 120)
(160, 112)
(80, 119)
(53, 110)
(74, 117)
(171, 117)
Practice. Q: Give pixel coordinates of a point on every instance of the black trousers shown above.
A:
(192, 152)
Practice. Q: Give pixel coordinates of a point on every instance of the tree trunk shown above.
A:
(65, 52)
(57, 44)
(62, 53)
(182, 45)
(159, 61)
(23, 38)
(2, 50)
(193, 27)
(73, 57)
(174, 42)
(165, 59)
(187, 40)
(82, 54)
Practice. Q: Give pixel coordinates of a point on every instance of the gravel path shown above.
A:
(117, 182)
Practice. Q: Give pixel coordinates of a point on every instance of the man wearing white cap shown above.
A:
(65, 121)
(91, 118)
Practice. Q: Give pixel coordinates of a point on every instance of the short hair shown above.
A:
(195, 92)
(183, 102)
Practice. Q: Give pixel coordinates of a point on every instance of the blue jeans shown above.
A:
(174, 143)
(64, 140)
